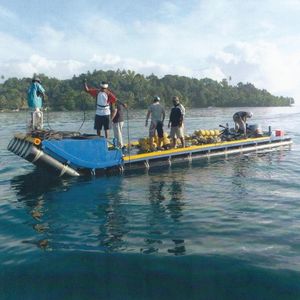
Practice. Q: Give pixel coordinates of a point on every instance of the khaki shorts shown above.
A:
(176, 131)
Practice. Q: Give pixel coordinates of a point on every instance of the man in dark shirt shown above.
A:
(176, 122)
(118, 121)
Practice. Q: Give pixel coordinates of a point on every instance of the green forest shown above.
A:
(137, 91)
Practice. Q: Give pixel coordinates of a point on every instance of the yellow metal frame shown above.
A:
(190, 148)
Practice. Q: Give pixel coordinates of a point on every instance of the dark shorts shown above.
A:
(101, 121)
(159, 128)
(156, 126)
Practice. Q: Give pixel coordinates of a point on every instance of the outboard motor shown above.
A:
(255, 129)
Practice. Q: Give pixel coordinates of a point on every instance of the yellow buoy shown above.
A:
(203, 132)
(166, 141)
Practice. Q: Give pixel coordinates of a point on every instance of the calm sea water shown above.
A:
(218, 229)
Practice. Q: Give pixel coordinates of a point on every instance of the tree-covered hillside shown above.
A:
(138, 90)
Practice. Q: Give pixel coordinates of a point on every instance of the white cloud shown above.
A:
(47, 34)
(213, 72)
(263, 64)
(226, 57)
(108, 59)
(37, 64)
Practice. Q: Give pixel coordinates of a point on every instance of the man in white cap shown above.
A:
(157, 113)
(105, 98)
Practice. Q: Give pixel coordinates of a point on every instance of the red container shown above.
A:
(279, 132)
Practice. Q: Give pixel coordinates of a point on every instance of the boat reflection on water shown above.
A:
(165, 196)
(107, 214)
(113, 218)
(32, 190)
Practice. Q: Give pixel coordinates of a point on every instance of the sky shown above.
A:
(256, 41)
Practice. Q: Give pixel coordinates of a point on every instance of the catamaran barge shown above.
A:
(75, 154)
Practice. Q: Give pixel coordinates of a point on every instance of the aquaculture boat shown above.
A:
(76, 154)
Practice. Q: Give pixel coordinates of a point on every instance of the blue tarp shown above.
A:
(92, 154)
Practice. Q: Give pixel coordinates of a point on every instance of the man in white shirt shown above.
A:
(104, 99)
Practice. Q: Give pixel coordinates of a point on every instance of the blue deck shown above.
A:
(85, 153)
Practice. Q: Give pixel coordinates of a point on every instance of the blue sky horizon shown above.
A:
(253, 41)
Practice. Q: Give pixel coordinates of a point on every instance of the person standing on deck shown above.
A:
(35, 96)
(176, 122)
(240, 119)
(104, 99)
(118, 122)
(157, 113)
(182, 108)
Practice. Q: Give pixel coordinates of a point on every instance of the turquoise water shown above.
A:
(218, 229)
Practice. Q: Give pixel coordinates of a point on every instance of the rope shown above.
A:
(82, 121)
(48, 123)
(58, 135)
(84, 108)
(47, 117)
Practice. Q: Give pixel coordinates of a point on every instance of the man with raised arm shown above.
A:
(105, 98)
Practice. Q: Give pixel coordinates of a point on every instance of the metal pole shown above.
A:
(128, 135)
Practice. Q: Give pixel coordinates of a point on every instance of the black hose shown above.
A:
(82, 121)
